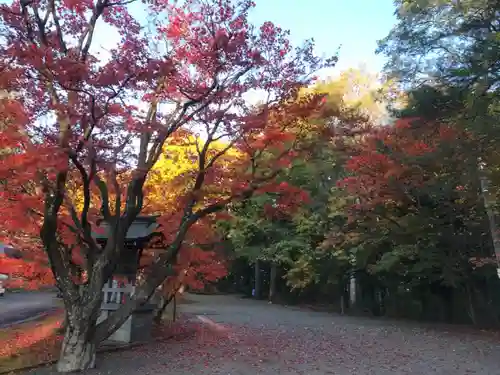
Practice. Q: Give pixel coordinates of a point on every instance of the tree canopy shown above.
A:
(370, 192)
(91, 128)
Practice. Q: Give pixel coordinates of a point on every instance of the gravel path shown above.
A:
(225, 335)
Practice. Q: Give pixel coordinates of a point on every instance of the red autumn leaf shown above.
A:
(381, 176)
(89, 126)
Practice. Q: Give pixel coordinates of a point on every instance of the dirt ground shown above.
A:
(227, 335)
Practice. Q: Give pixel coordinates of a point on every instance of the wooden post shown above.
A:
(489, 204)
(352, 290)
(257, 279)
(165, 301)
(272, 281)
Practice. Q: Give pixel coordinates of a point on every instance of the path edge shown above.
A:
(109, 349)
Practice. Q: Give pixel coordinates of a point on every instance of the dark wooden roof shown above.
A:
(143, 227)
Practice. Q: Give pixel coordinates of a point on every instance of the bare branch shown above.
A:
(29, 27)
(104, 193)
(55, 17)
(86, 37)
(85, 225)
(41, 24)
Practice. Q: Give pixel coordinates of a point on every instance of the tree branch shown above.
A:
(104, 193)
(55, 17)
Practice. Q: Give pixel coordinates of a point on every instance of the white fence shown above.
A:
(114, 296)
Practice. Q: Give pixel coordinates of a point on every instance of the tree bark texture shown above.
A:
(78, 349)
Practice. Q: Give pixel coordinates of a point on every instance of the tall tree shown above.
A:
(452, 41)
(447, 53)
(454, 47)
(418, 217)
(82, 117)
(294, 240)
(361, 91)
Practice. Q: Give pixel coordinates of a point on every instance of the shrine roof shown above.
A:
(142, 227)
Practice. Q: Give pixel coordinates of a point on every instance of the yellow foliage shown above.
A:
(164, 184)
(360, 91)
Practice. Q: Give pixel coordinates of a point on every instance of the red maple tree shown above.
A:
(199, 261)
(25, 270)
(419, 180)
(87, 118)
(389, 161)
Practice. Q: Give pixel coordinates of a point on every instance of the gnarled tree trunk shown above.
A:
(78, 350)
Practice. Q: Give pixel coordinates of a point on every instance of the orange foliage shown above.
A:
(383, 164)
(25, 274)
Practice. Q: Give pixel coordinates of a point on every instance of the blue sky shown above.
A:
(354, 24)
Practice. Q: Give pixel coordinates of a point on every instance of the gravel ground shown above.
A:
(225, 335)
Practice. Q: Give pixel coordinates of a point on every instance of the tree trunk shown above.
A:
(78, 350)
(272, 282)
(352, 290)
(489, 204)
(471, 308)
(64, 325)
(257, 279)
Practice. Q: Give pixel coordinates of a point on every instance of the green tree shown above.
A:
(457, 42)
(294, 242)
(454, 47)
(448, 54)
